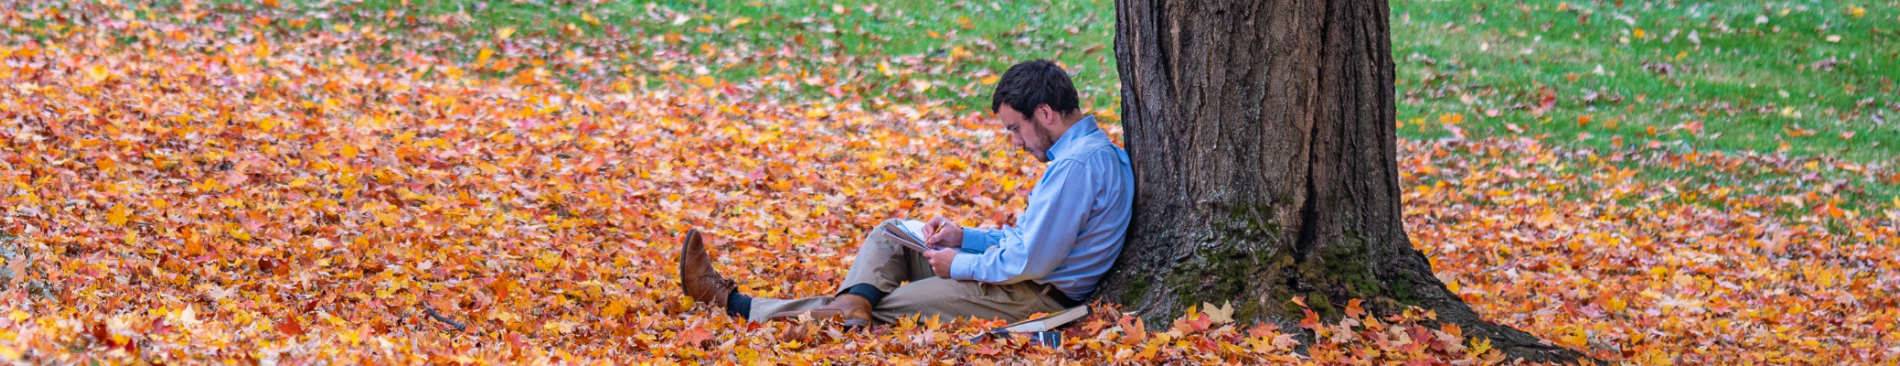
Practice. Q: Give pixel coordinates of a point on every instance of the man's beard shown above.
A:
(1048, 142)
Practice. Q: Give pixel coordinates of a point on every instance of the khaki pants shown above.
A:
(885, 263)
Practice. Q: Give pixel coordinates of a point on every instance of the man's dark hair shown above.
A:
(1034, 83)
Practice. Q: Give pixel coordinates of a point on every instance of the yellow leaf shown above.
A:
(992, 79)
(1480, 346)
(1656, 357)
(97, 73)
(614, 309)
(505, 32)
(119, 214)
(746, 355)
(482, 57)
(738, 21)
(1149, 350)
(1544, 220)
(548, 262)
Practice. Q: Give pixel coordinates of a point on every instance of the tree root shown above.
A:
(1514, 343)
(1520, 345)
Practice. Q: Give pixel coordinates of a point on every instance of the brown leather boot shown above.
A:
(854, 311)
(697, 277)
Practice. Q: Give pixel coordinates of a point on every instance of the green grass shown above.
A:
(951, 46)
(985, 36)
(1749, 79)
(1751, 86)
(1756, 76)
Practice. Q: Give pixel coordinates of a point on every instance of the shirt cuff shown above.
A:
(977, 240)
(963, 266)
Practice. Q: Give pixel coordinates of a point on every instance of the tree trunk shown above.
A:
(1265, 155)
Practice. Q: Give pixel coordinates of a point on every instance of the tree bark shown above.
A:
(1265, 155)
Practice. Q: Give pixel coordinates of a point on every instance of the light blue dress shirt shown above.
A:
(1073, 228)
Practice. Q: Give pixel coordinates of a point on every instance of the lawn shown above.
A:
(1787, 80)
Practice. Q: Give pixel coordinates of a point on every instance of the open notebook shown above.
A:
(911, 234)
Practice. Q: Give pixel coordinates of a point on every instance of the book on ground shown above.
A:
(1040, 330)
(1047, 322)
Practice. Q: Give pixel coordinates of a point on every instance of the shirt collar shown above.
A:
(1082, 129)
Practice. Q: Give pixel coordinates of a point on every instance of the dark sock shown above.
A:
(738, 305)
(866, 291)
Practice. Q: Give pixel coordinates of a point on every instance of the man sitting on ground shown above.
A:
(1059, 249)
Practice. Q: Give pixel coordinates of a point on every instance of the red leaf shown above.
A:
(1200, 322)
(1262, 330)
(290, 327)
(1136, 331)
(695, 335)
(1545, 102)
(1311, 321)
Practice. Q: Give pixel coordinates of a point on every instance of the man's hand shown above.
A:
(940, 261)
(943, 234)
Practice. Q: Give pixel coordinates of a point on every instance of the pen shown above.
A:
(940, 230)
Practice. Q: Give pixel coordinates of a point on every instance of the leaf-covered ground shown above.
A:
(230, 182)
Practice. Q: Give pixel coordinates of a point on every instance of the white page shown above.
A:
(916, 229)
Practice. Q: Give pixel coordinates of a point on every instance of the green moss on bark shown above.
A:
(1242, 259)
(1343, 272)
(1403, 291)
(1137, 287)
(1238, 257)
